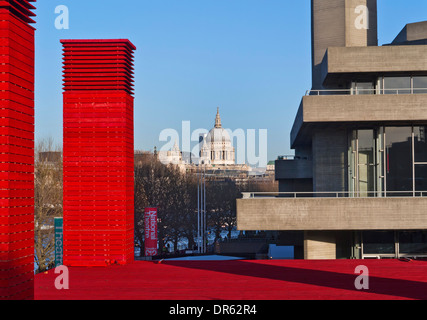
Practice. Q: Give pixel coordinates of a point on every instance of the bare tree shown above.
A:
(172, 193)
(221, 202)
(47, 201)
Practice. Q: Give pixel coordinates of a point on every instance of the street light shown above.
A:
(201, 210)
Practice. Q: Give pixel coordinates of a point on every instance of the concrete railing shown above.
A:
(335, 194)
(365, 91)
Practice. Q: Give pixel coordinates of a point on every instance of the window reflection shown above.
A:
(397, 85)
(420, 144)
(399, 159)
(390, 85)
(366, 162)
(383, 159)
(421, 178)
(364, 88)
(420, 84)
(378, 242)
(413, 242)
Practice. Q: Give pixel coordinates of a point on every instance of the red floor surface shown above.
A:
(239, 280)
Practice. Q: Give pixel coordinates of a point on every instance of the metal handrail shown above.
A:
(280, 158)
(352, 91)
(285, 157)
(336, 194)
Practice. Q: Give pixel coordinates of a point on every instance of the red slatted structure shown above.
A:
(16, 150)
(98, 152)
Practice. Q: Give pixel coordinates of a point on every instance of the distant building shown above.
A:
(217, 156)
(271, 166)
(217, 149)
(173, 156)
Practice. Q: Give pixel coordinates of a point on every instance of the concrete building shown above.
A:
(173, 156)
(357, 186)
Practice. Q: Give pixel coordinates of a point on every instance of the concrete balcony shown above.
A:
(331, 212)
(294, 168)
(385, 108)
(339, 63)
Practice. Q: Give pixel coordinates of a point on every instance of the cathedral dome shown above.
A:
(217, 148)
(218, 134)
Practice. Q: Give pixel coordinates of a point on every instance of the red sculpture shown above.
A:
(98, 152)
(16, 150)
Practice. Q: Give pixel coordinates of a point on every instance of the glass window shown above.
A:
(366, 152)
(420, 84)
(397, 85)
(352, 162)
(365, 88)
(399, 159)
(378, 242)
(382, 159)
(366, 162)
(420, 144)
(413, 242)
(421, 178)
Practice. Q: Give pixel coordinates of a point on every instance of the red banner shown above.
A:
(150, 232)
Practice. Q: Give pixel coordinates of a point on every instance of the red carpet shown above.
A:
(240, 280)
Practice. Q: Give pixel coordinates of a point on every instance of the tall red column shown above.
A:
(98, 152)
(16, 150)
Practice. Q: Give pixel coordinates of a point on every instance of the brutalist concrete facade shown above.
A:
(357, 187)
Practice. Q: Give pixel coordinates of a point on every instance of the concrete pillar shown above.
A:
(319, 245)
(334, 24)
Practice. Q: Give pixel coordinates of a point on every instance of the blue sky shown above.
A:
(249, 57)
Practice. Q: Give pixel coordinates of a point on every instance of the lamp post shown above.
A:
(201, 210)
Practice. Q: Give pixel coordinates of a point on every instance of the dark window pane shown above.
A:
(366, 146)
(399, 159)
(421, 178)
(413, 242)
(378, 242)
(420, 144)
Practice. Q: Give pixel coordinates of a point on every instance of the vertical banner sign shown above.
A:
(59, 241)
(150, 232)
